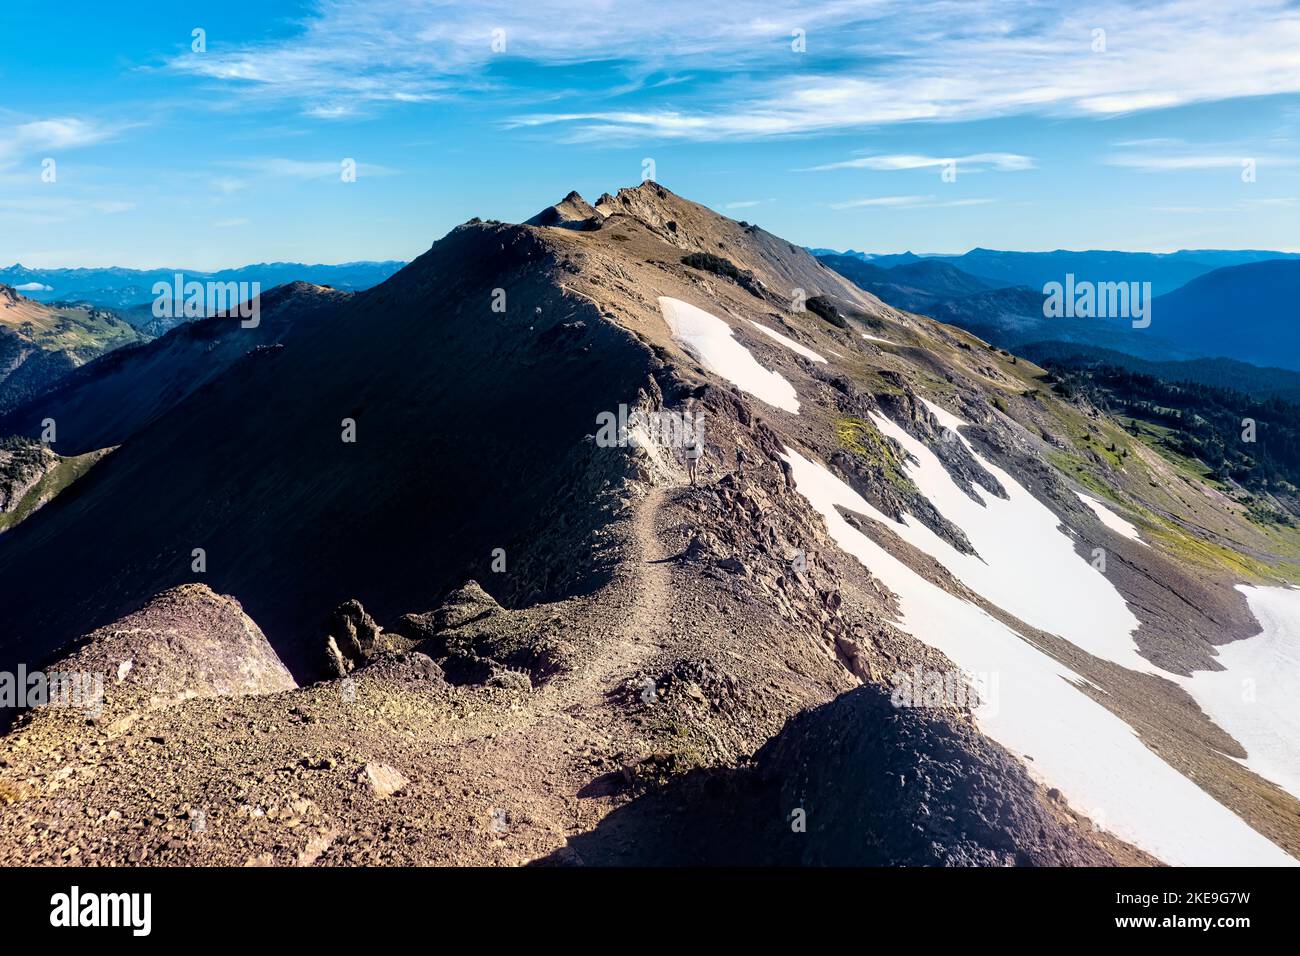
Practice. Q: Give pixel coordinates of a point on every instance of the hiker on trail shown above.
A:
(693, 452)
(740, 463)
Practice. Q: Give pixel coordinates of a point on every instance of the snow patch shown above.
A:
(1257, 699)
(1025, 563)
(711, 342)
(789, 343)
(876, 338)
(1096, 759)
(1111, 520)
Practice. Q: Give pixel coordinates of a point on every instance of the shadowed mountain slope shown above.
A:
(453, 457)
(107, 400)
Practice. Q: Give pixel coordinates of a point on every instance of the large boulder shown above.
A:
(186, 642)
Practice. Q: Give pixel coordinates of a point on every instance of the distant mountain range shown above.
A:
(1242, 309)
(1165, 271)
(1248, 312)
(122, 289)
(915, 285)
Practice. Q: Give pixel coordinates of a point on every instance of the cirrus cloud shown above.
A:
(867, 64)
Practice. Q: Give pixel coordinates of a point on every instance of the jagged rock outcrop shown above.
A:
(475, 640)
(353, 639)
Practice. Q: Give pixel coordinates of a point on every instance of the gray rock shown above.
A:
(383, 780)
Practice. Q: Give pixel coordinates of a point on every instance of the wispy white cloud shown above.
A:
(53, 136)
(284, 168)
(1243, 205)
(1175, 155)
(228, 185)
(334, 111)
(54, 209)
(909, 202)
(737, 76)
(978, 162)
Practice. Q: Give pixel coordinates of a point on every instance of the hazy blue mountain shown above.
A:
(885, 260)
(914, 286)
(1248, 312)
(1165, 271)
(1245, 311)
(127, 289)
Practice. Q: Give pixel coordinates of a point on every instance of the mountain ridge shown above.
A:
(535, 617)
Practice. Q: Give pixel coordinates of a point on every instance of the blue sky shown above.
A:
(1062, 137)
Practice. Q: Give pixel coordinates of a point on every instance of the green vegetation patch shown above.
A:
(860, 438)
(56, 481)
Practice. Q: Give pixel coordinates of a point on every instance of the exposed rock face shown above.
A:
(186, 642)
(352, 637)
(465, 604)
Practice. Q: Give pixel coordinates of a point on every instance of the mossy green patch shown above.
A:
(859, 437)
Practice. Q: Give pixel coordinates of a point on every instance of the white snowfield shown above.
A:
(1257, 699)
(1095, 759)
(710, 341)
(788, 342)
(1025, 564)
(1111, 520)
(876, 338)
